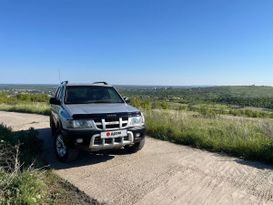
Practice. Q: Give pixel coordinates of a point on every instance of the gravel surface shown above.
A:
(162, 173)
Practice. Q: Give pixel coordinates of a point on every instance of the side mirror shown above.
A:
(54, 101)
(126, 99)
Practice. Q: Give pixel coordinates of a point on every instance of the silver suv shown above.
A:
(93, 117)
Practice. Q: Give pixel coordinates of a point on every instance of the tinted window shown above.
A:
(91, 94)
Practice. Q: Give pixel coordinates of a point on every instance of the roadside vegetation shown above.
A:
(245, 138)
(29, 107)
(23, 180)
(194, 117)
(26, 103)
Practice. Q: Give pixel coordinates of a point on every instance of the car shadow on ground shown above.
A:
(84, 159)
(255, 164)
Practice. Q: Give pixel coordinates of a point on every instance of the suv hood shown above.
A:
(82, 109)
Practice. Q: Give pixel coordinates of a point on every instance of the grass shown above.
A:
(30, 107)
(22, 181)
(242, 137)
(24, 187)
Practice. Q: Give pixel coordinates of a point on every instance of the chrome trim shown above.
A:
(113, 144)
(104, 124)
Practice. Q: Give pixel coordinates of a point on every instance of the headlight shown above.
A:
(137, 120)
(80, 124)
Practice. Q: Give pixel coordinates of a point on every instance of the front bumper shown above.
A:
(92, 141)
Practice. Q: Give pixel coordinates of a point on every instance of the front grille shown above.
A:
(126, 138)
(111, 123)
(111, 119)
(118, 140)
(98, 141)
(112, 126)
(108, 141)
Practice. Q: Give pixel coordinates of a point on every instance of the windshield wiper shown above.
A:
(102, 101)
(92, 102)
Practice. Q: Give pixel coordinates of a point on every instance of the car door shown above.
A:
(56, 108)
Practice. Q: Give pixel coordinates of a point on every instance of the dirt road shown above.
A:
(162, 173)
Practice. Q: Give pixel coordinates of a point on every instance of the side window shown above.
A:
(57, 92)
(60, 94)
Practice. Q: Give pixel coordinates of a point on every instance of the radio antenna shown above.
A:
(59, 75)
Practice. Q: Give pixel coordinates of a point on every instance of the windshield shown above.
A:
(91, 94)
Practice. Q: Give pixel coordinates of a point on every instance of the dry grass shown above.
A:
(27, 107)
(243, 137)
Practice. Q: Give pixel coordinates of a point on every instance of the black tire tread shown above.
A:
(136, 147)
(71, 154)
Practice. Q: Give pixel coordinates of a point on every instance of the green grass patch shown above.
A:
(246, 138)
(22, 187)
(20, 182)
(30, 107)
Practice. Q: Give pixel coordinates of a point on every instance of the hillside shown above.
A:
(256, 96)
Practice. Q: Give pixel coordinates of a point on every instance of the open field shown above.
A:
(162, 173)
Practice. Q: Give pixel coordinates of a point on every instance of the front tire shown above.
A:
(52, 126)
(63, 152)
(136, 147)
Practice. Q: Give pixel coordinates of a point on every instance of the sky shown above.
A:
(139, 42)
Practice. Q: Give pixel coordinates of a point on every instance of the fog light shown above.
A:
(80, 140)
(138, 135)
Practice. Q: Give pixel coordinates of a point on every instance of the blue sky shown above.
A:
(143, 42)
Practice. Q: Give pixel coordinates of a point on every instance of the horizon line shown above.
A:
(155, 85)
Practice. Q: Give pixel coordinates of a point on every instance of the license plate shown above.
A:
(113, 134)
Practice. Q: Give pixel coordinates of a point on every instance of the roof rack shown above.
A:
(100, 83)
(64, 82)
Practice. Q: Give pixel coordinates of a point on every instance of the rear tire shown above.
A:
(63, 152)
(136, 147)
